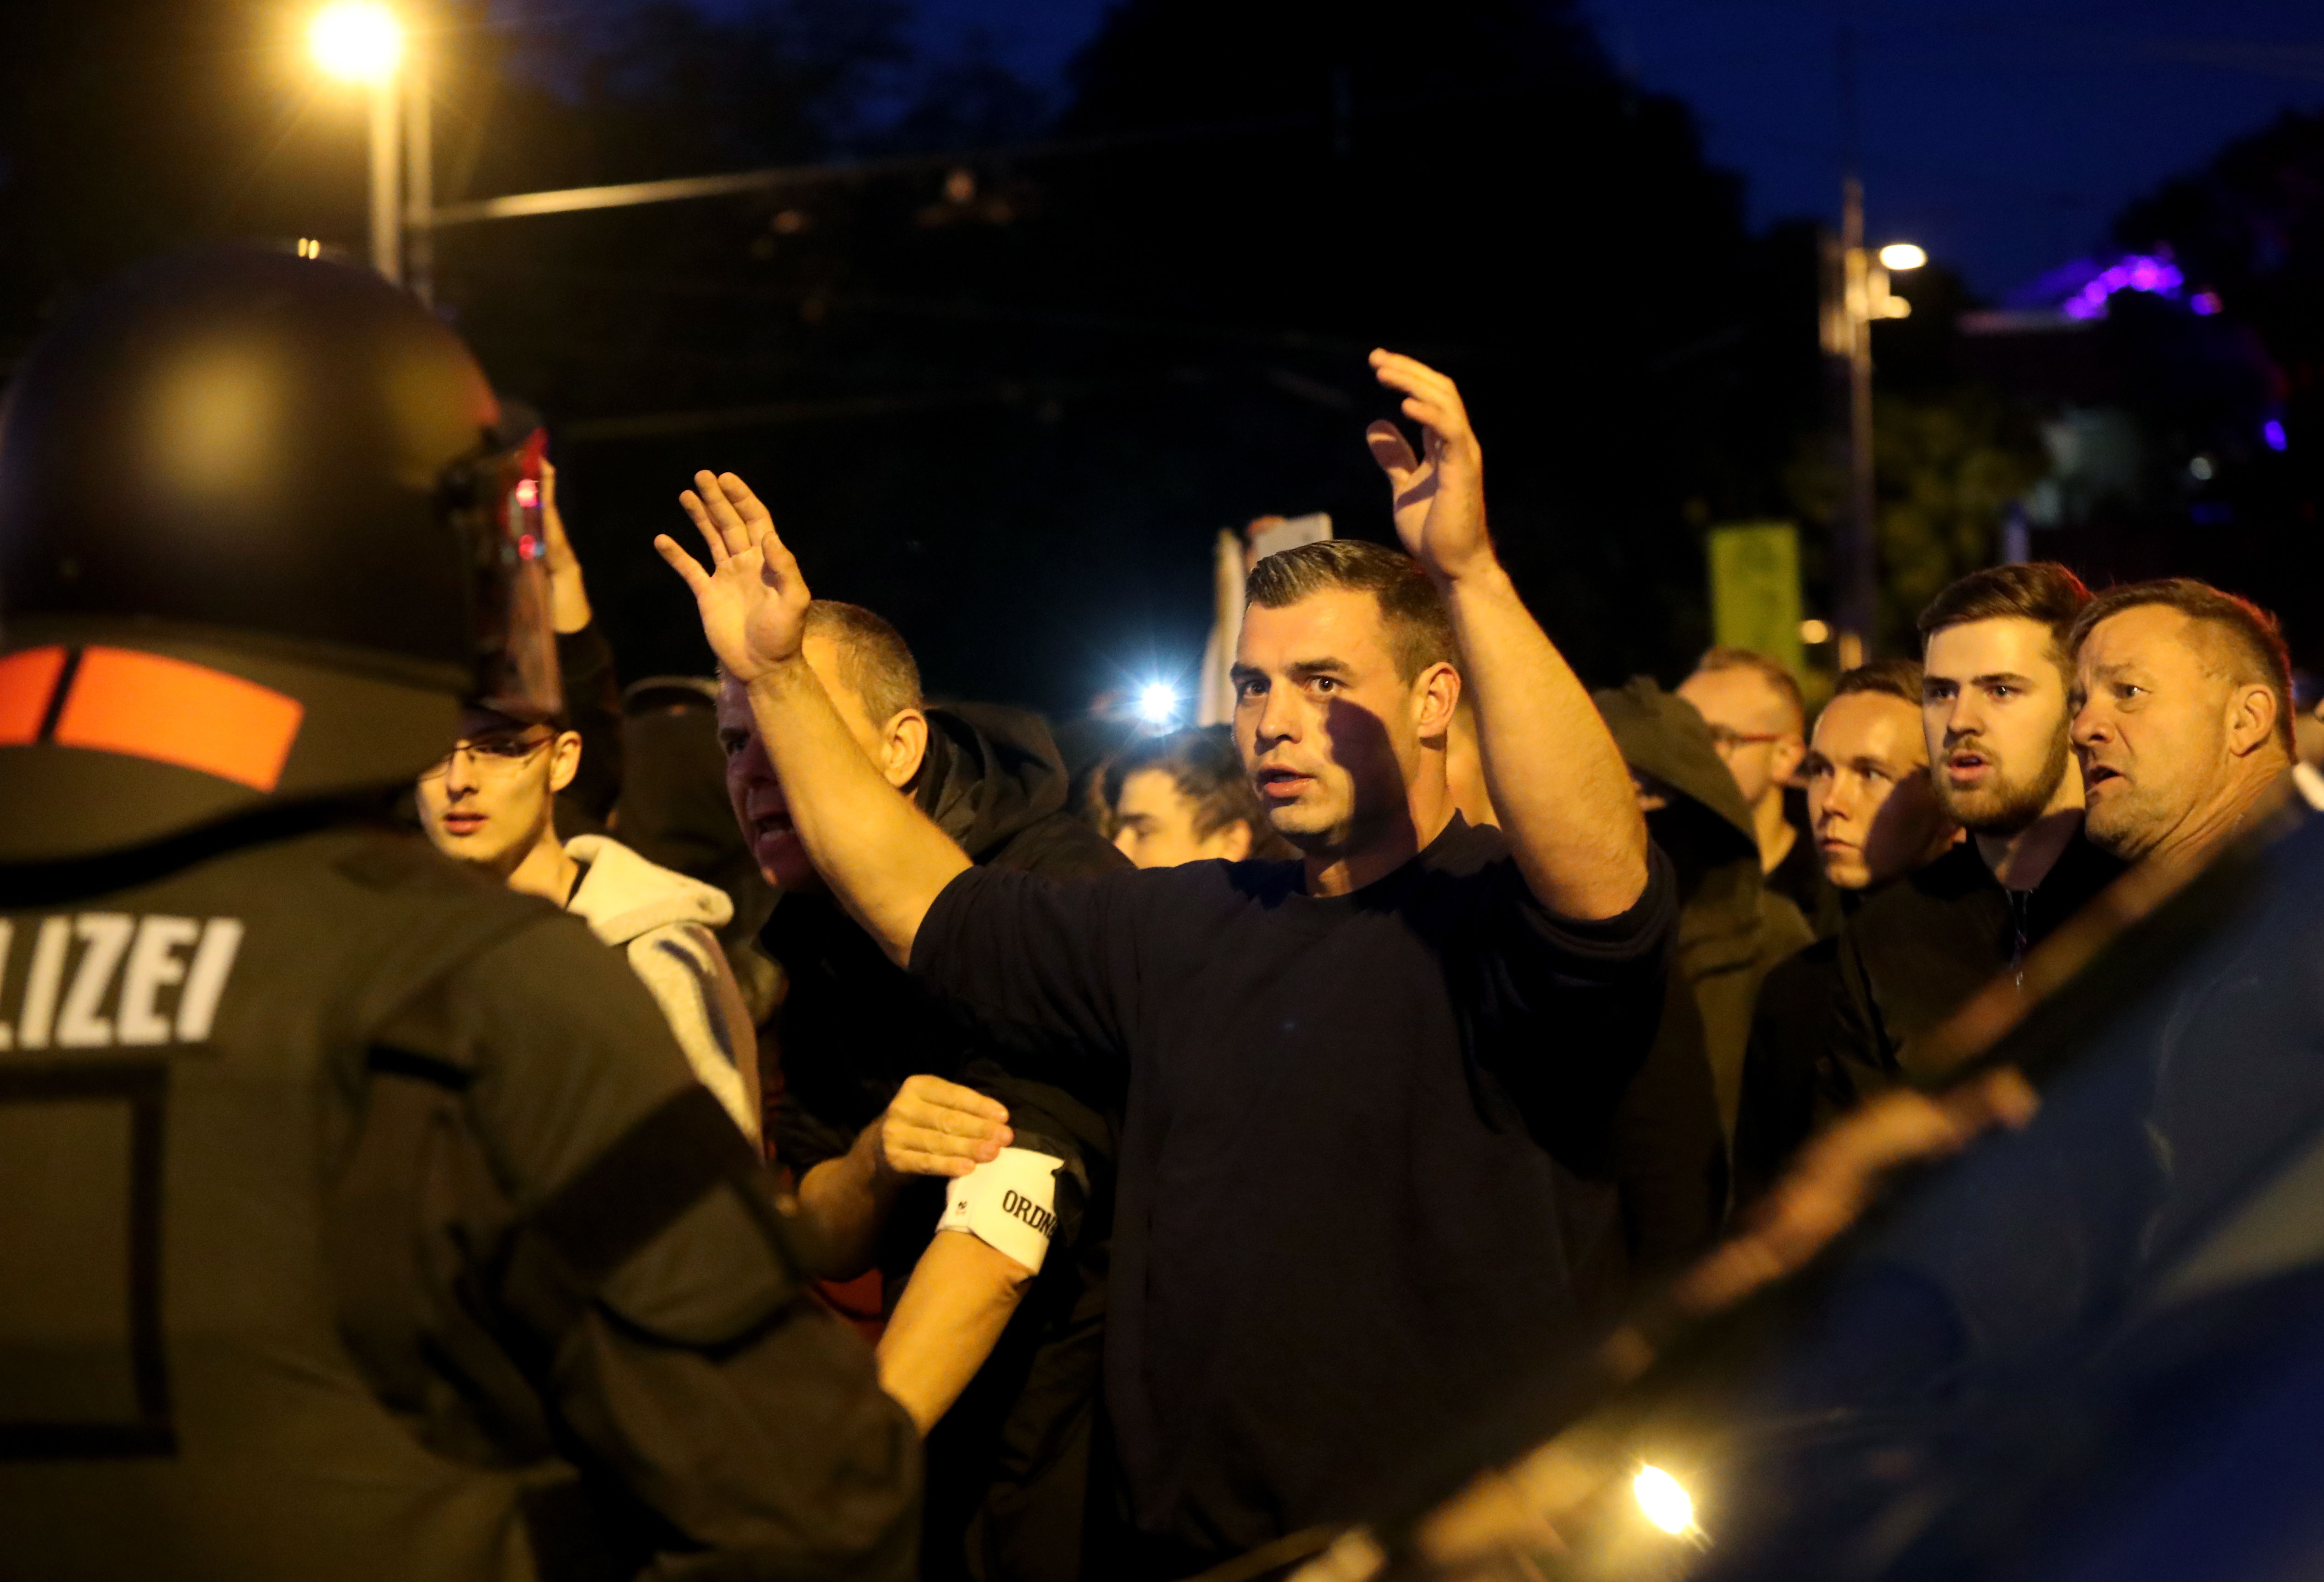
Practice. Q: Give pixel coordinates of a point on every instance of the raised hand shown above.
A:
(568, 597)
(752, 600)
(1440, 494)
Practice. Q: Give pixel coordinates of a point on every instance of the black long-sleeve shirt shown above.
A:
(1366, 1167)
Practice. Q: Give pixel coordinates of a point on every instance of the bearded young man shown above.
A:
(1997, 671)
(1365, 1175)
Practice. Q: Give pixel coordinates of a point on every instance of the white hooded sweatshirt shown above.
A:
(662, 922)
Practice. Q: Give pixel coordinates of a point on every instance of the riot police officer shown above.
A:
(358, 1217)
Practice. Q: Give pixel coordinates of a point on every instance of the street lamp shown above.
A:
(1858, 295)
(363, 42)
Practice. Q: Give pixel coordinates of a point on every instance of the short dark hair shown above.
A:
(1420, 628)
(2247, 644)
(2029, 591)
(1202, 762)
(873, 659)
(1892, 678)
(1767, 668)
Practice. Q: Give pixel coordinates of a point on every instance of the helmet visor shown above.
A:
(516, 641)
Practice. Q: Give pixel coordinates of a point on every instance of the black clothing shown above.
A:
(1914, 954)
(365, 1221)
(674, 810)
(1008, 1465)
(1365, 1169)
(592, 707)
(1793, 1082)
(1732, 928)
(1799, 879)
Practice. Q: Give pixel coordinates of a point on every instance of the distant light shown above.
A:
(2201, 468)
(2136, 273)
(1813, 631)
(1157, 703)
(2205, 303)
(356, 40)
(308, 247)
(1664, 1500)
(2272, 431)
(527, 492)
(1901, 255)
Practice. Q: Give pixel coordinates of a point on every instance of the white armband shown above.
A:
(1009, 1204)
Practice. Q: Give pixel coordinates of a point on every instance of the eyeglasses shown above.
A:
(500, 752)
(1727, 740)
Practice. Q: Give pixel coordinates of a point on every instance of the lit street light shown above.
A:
(363, 42)
(1856, 294)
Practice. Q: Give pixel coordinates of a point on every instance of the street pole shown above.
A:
(419, 175)
(1858, 579)
(386, 220)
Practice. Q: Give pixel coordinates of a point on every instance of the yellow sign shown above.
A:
(1755, 591)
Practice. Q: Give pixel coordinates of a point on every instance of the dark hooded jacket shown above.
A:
(1008, 1465)
(1732, 928)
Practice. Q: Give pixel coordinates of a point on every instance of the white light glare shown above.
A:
(1157, 703)
(1664, 1501)
(356, 40)
(1901, 255)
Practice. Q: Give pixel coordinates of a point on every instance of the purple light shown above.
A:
(2272, 431)
(2205, 302)
(2136, 273)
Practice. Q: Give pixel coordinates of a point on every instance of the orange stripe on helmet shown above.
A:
(26, 680)
(150, 706)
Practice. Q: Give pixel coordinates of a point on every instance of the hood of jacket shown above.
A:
(991, 773)
(1661, 736)
(623, 896)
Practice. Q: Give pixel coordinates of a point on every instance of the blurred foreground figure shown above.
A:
(1365, 1161)
(362, 1220)
(2091, 1346)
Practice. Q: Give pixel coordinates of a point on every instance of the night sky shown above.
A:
(2003, 136)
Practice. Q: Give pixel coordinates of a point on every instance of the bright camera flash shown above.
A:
(1664, 1501)
(1157, 702)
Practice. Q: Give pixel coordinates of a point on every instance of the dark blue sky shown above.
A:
(2001, 134)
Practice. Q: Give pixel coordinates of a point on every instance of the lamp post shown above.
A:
(1858, 293)
(361, 42)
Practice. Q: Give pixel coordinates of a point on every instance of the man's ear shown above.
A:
(903, 748)
(1440, 695)
(1783, 762)
(564, 760)
(2251, 717)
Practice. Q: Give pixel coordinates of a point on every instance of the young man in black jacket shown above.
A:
(1347, 1211)
(991, 1339)
(1997, 676)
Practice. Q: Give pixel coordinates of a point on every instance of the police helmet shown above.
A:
(261, 536)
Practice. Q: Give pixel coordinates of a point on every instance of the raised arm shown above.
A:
(1556, 778)
(884, 859)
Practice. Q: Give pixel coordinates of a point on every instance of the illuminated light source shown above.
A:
(308, 247)
(2137, 272)
(2205, 303)
(2271, 433)
(1157, 703)
(1813, 631)
(1664, 1500)
(2201, 468)
(356, 40)
(1901, 255)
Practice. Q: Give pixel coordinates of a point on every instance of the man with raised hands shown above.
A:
(1365, 1172)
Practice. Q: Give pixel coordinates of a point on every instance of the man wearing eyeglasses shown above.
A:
(491, 801)
(1758, 725)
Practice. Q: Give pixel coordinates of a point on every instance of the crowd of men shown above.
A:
(1193, 1152)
